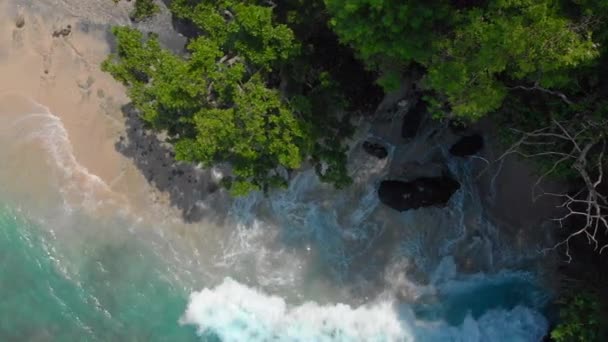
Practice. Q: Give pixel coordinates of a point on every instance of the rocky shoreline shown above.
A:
(421, 149)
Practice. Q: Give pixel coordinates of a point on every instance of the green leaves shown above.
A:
(241, 28)
(471, 54)
(580, 320)
(144, 9)
(516, 40)
(390, 31)
(217, 104)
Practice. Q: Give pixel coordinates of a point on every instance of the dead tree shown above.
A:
(581, 144)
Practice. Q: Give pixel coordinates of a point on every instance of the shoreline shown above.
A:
(110, 142)
(63, 74)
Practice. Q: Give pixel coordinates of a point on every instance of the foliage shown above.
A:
(264, 88)
(580, 100)
(241, 28)
(245, 94)
(521, 41)
(473, 54)
(580, 319)
(392, 31)
(215, 111)
(143, 9)
(390, 35)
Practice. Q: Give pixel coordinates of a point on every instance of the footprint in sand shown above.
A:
(20, 20)
(85, 83)
(47, 62)
(18, 31)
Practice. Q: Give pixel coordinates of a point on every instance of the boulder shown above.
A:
(412, 120)
(421, 192)
(467, 146)
(375, 149)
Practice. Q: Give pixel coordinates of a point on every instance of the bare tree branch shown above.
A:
(537, 87)
(588, 207)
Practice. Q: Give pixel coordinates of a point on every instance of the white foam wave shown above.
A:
(78, 185)
(234, 312)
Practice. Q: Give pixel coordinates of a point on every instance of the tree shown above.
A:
(143, 9)
(229, 100)
(508, 43)
(564, 129)
(390, 35)
(580, 320)
(473, 52)
(214, 104)
(579, 144)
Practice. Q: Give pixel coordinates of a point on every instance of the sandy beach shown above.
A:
(62, 73)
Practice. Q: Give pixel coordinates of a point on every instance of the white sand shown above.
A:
(63, 74)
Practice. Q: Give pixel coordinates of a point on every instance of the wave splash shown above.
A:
(234, 312)
(35, 131)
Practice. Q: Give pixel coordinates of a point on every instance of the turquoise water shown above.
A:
(118, 292)
(115, 294)
(73, 271)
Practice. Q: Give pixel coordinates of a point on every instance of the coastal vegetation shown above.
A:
(143, 9)
(581, 319)
(251, 91)
(267, 88)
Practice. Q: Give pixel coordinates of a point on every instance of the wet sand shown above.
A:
(63, 74)
(61, 71)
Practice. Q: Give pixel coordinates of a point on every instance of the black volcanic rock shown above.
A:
(375, 149)
(413, 119)
(467, 146)
(421, 192)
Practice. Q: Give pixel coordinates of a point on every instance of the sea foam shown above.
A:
(47, 131)
(235, 312)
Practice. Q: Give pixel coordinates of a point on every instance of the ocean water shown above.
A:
(305, 264)
(116, 293)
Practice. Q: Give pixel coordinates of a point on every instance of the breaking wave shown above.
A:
(39, 129)
(234, 312)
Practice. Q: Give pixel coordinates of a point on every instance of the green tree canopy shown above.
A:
(215, 104)
(511, 42)
(472, 53)
(581, 319)
(229, 100)
(391, 31)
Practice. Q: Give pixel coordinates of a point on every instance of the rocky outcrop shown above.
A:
(375, 149)
(412, 120)
(421, 192)
(64, 32)
(467, 146)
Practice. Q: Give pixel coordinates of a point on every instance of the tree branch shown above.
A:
(585, 136)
